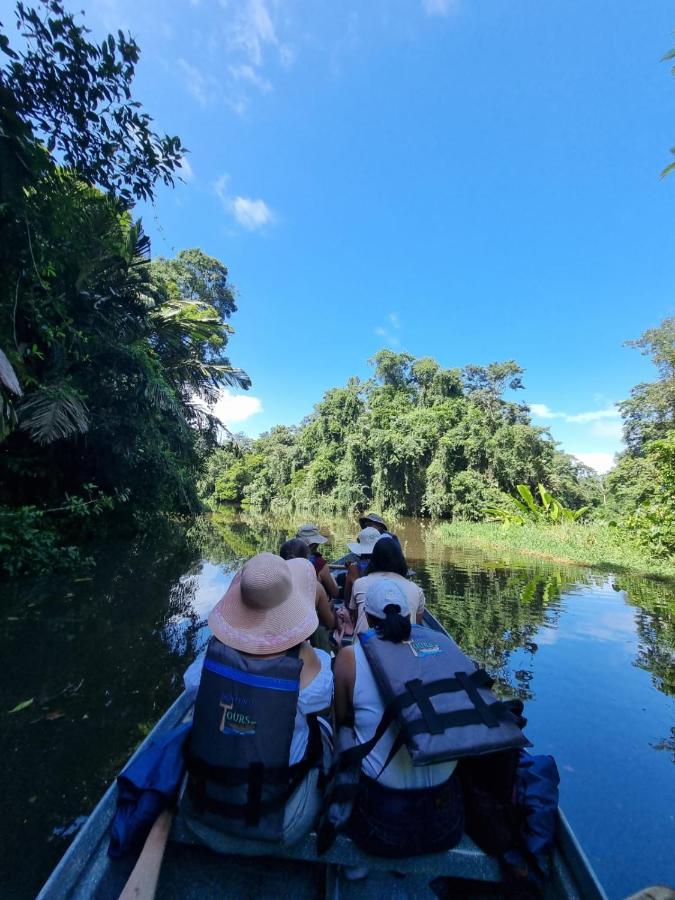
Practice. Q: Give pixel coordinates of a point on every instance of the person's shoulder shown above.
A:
(361, 583)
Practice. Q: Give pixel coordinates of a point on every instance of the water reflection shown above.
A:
(102, 658)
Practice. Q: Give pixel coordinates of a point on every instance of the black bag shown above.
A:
(493, 820)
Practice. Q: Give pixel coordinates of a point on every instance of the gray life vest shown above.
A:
(239, 778)
(442, 704)
(441, 701)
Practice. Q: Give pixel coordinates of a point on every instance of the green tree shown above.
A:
(649, 412)
(416, 439)
(76, 97)
(108, 361)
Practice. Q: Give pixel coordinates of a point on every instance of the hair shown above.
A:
(395, 628)
(294, 549)
(387, 556)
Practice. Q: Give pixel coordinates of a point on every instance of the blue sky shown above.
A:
(473, 180)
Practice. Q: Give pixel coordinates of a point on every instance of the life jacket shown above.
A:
(362, 565)
(238, 754)
(442, 704)
(441, 701)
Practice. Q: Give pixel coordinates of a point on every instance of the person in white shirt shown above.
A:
(387, 561)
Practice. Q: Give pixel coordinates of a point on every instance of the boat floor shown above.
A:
(191, 872)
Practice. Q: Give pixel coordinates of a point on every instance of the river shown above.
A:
(100, 658)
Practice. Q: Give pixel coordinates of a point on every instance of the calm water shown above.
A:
(592, 655)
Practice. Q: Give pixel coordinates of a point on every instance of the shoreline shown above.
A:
(593, 547)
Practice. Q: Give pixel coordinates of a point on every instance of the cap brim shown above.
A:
(263, 631)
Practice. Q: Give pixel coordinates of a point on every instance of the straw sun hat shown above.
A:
(269, 607)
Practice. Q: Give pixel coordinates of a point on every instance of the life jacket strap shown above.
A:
(479, 678)
(257, 777)
(499, 710)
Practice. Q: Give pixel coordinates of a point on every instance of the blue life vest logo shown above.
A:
(233, 720)
(424, 647)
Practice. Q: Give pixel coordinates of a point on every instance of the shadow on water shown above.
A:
(102, 658)
(93, 656)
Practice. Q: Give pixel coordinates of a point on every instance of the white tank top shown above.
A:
(368, 708)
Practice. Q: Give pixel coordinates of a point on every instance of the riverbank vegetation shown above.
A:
(108, 360)
(420, 439)
(598, 544)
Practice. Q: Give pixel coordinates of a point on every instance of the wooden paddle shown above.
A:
(142, 883)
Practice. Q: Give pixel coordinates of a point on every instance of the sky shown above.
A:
(473, 180)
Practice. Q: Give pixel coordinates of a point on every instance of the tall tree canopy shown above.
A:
(641, 487)
(108, 360)
(417, 438)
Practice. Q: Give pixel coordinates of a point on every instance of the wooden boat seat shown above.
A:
(463, 861)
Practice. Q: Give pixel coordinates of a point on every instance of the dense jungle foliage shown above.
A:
(423, 440)
(416, 438)
(107, 360)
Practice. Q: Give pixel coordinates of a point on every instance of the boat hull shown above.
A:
(191, 870)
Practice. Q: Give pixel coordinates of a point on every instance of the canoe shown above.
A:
(192, 871)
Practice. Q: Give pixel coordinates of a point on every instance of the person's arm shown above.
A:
(420, 609)
(353, 575)
(328, 582)
(324, 608)
(345, 677)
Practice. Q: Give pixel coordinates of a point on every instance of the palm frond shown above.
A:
(53, 413)
(8, 376)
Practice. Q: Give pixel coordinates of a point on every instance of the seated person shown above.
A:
(311, 535)
(372, 520)
(360, 558)
(260, 680)
(297, 549)
(387, 561)
(401, 810)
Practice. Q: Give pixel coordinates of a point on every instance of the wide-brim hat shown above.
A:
(372, 517)
(269, 607)
(368, 537)
(310, 534)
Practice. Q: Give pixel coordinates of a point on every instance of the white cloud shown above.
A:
(220, 187)
(252, 214)
(195, 83)
(542, 411)
(439, 7)
(607, 430)
(389, 332)
(252, 30)
(601, 462)
(248, 74)
(249, 213)
(185, 169)
(232, 409)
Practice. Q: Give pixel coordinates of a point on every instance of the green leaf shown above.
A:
(526, 494)
(23, 705)
(52, 413)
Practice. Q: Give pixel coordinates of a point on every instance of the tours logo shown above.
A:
(424, 647)
(234, 719)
